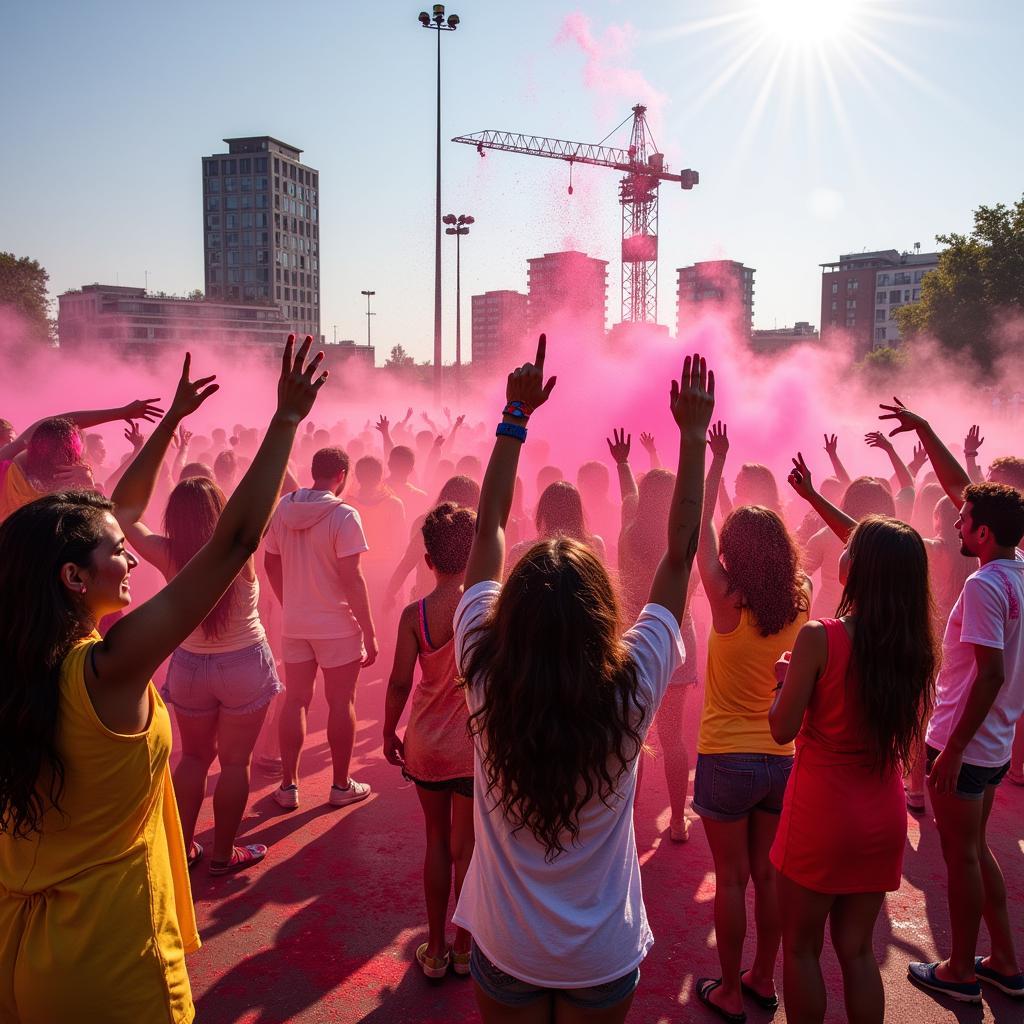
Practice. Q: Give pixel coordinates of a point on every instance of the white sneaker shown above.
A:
(287, 797)
(351, 794)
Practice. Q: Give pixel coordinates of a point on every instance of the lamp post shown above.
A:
(439, 24)
(458, 226)
(368, 315)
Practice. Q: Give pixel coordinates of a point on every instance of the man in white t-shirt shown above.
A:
(313, 547)
(979, 698)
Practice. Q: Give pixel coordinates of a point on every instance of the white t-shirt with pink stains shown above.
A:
(987, 613)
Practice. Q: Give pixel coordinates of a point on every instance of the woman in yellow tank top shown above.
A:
(95, 910)
(759, 600)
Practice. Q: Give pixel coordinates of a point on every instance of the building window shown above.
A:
(850, 321)
(917, 294)
(213, 168)
(852, 285)
(880, 316)
(879, 297)
(880, 334)
(231, 202)
(245, 166)
(229, 166)
(213, 202)
(883, 279)
(277, 165)
(851, 303)
(835, 305)
(230, 184)
(903, 277)
(246, 184)
(894, 295)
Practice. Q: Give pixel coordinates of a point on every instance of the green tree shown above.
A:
(882, 364)
(399, 359)
(977, 287)
(23, 288)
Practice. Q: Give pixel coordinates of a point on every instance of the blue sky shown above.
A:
(880, 136)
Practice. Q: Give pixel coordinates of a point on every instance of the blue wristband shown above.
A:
(511, 430)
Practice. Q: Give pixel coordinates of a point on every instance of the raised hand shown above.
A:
(408, 415)
(800, 478)
(973, 441)
(181, 438)
(718, 440)
(907, 420)
(439, 442)
(133, 435)
(299, 383)
(876, 439)
(647, 440)
(190, 394)
(618, 445)
(526, 384)
(459, 420)
(382, 424)
(447, 413)
(920, 457)
(831, 445)
(692, 397)
(142, 409)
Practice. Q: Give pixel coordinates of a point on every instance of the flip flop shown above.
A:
(432, 966)
(195, 855)
(242, 857)
(765, 1002)
(705, 986)
(460, 962)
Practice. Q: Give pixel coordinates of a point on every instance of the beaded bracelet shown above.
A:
(517, 409)
(513, 430)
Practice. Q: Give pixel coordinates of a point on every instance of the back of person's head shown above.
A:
(95, 449)
(329, 464)
(7, 434)
(894, 650)
(762, 565)
(944, 519)
(321, 437)
(219, 436)
(831, 489)
(54, 444)
(924, 507)
(194, 469)
(401, 461)
(193, 509)
(448, 531)
(39, 623)
(369, 471)
(593, 479)
(225, 467)
(424, 441)
(560, 710)
(546, 476)
(755, 485)
(560, 512)
(461, 490)
(868, 495)
(1007, 469)
(645, 537)
(470, 465)
(999, 507)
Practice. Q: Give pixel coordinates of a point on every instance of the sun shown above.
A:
(804, 23)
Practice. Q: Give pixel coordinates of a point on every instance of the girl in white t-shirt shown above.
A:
(560, 705)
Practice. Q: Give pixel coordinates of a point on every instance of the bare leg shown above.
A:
(198, 749)
(298, 680)
(853, 920)
(566, 1013)
(995, 911)
(462, 851)
(340, 690)
(803, 933)
(729, 848)
(763, 827)
(674, 752)
(236, 737)
(493, 1012)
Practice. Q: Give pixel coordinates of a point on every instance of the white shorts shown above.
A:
(327, 652)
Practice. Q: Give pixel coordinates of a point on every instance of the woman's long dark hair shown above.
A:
(193, 508)
(894, 651)
(762, 564)
(38, 626)
(560, 716)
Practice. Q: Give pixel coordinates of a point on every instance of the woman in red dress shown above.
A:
(855, 695)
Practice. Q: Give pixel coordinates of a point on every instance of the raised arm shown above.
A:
(692, 401)
(832, 448)
(876, 439)
(182, 442)
(385, 432)
(712, 575)
(952, 476)
(647, 440)
(618, 447)
(449, 441)
(835, 519)
(526, 387)
(139, 642)
(972, 442)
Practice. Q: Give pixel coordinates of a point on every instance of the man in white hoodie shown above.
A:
(312, 559)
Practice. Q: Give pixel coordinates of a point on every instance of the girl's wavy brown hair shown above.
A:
(561, 719)
(762, 563)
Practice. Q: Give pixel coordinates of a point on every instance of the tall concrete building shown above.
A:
(499, 325)
(715, 285)
(570, 287)
(862, 290)
(261, 219)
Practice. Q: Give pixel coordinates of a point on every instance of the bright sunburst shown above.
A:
(802, 23)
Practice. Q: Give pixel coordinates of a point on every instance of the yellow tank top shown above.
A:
(96, 912)
(739, 688)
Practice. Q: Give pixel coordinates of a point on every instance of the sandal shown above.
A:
(195, 855)
(242, 857)
(705, 986)
(433, 967)
(680, 833)
(765, 1002)
(460, 961)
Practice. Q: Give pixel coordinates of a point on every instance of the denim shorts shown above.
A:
(728, 787)
(509, 991)
(973, 780)
(237, 682)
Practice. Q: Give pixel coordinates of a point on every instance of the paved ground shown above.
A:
(325, 929)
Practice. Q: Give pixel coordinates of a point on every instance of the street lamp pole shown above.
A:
(439, 24)
(368, 315)
(458, 226)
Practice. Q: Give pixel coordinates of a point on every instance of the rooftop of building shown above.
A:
(249, 144)
(881, 258)
(129, 292)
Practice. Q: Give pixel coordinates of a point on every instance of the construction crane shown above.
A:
(643, 169)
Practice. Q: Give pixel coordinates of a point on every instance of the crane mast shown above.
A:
(643, 170)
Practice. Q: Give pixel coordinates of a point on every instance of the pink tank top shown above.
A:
(243, 628)
(437, 742)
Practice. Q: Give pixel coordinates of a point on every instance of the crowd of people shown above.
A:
(864, 661)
